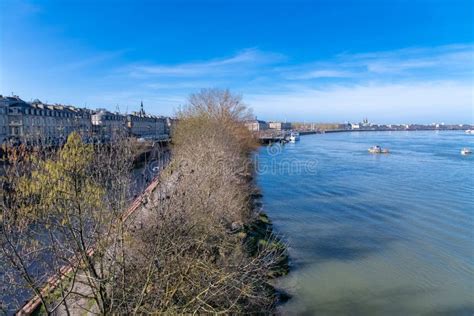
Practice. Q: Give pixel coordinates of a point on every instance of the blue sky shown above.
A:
(391, 61)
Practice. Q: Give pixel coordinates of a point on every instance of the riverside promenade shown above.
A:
(53, 282)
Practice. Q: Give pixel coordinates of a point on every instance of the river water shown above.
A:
(374, 234)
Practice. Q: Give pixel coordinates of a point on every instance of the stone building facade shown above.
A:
(256, 125)
(3, 123)
(106, 124)
(37, 122)
(143, 125)
(40, 123)
(280, 126)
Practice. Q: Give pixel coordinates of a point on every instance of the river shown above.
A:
(374, 234)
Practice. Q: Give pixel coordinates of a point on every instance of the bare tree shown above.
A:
(194, 244)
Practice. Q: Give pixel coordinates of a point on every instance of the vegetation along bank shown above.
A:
(198, 243)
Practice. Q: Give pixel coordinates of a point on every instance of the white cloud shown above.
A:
(412, 85)
(404, 102)
(178, 85)
(248, 59)
(323, 73)
(453, 60)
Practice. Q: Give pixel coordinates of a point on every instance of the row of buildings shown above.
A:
(52, 123)
(258, 125)
(368, 126)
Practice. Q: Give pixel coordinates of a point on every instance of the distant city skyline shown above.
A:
(320, 61)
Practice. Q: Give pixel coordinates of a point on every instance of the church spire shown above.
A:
(142, 111)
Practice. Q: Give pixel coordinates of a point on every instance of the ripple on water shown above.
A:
(377, 234)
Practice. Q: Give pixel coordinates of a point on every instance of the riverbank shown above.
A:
(376, 130)
(260, 231)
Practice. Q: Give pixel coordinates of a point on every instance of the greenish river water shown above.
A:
(374, 234)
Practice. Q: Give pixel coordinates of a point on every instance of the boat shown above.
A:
(294, 136)
(466, 151)
(469, 131)
(375, 150)
(378, 150)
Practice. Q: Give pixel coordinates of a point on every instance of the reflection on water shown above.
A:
(375, 234)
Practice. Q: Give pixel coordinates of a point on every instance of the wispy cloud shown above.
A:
(383, 102)
(178, 85)
(407, 85)
(321, 73)
(413, 84)
(451, 60)
(246, 60)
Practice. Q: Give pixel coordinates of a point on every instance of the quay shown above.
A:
(267, 137)
(274, 136)
(271, 139)
(274, 132)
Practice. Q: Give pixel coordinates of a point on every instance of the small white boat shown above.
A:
(294, 137)
(378, 150)
(469, 131)
(466, 151)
